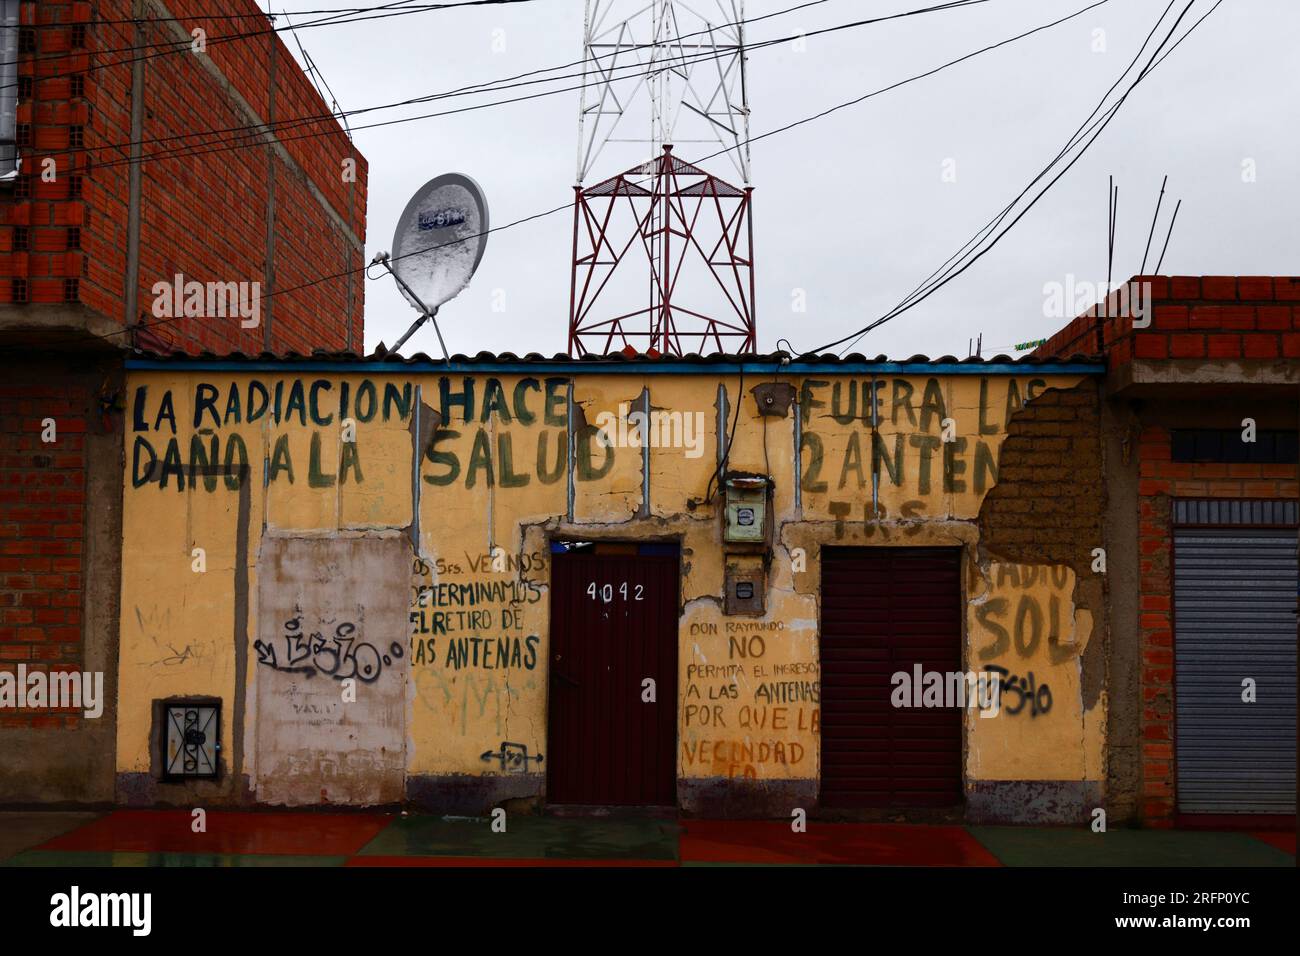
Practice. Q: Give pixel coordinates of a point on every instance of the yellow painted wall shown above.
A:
(494, 489)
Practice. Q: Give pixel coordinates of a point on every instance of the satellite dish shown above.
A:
(437, 245)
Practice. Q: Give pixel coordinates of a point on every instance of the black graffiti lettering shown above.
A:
(314, 402)
(494, 402)
(399, 400)
(297, 400)
(463, 398)
(806, 400)
(340, 656)
(953, 466)
(927, 444)
(902, 400)
(443, 458)
(1027, 692)
(853, 460)
(203, 462)
(520, 400)
(550, 476)
(1014, 404)
(557, 400)
(847, 416)
(205, 399)
(511, 758)
(1028, 610)
(316, 478)
(480, 459)
(932, 404)
(366, 392)
(586, 469)
(814, 445)
(986, 467)
(280, 460)
(879, 456)
(985, 427)
(1001, 638)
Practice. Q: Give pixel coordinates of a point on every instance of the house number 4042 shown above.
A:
(606, 592)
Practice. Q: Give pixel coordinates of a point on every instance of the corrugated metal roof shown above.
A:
(620, 362)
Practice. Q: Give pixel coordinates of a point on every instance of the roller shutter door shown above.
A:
(884, 610)
(1234, 618)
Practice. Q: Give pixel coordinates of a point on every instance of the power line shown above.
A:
(396, 9)
(1156, 59)
(63, 25)
(253, 135)
(993, 223)
(569, 205)
(256, 131)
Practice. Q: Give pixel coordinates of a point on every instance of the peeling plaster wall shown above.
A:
(499, 466)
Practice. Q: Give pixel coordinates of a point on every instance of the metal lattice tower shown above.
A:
(663, 75)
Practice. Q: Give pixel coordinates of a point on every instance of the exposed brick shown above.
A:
(1254, 288)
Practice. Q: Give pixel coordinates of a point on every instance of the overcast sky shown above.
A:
(855, 209)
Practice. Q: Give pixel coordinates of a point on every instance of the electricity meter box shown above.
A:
(746, 585)
(746, 510)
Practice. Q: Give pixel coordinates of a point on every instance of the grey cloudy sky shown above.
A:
(854, 209)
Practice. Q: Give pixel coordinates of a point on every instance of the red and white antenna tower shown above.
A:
(662, 252)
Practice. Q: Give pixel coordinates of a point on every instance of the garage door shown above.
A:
(884, 610)
(1234, 620)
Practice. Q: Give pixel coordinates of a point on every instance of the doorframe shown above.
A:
(965, 553)
(617, 537)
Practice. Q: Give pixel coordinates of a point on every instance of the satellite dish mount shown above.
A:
(437, 247)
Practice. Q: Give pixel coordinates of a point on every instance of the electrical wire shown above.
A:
(252, 135)
(396, 9)
(1096, 129)
(569, 205)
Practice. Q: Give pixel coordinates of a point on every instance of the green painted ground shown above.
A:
(1037, 846)
(276, 840)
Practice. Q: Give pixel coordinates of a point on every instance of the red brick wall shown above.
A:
(1160, 481)
(205, 195)
(1194, 317)
(42, 496)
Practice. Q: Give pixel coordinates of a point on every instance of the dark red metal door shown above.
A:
(613, 625)
(883, 611)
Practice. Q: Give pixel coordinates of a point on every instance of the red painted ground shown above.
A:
(164, 831)
(874, 844)
(488, 861)
(1283, 841)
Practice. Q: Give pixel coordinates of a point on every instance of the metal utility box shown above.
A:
(746, 584)
(746, 510)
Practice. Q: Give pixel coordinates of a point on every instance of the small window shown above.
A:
(77, 85)
(74, 187)
(22, 239)
(25, 87)
(76, 137)
(71, 290)
(191, 742)
(23, 187)
(74, 237)
(26, 40)
(19, 290)
(1271, 446)
(23, 134)
(78, 36)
